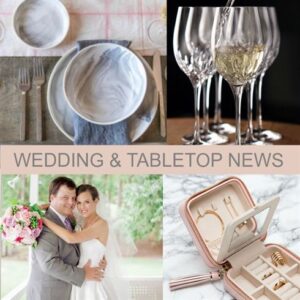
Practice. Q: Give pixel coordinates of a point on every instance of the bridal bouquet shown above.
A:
(22, 224)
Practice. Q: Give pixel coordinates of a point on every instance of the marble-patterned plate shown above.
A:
(105, 83)
(41, 24)
(62, 114)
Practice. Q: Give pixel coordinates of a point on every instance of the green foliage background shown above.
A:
(140, 198)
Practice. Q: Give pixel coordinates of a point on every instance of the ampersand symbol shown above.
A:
(115, 162)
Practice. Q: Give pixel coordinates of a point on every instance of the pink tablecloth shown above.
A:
(91, 19)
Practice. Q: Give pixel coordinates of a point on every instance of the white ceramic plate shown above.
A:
(62, 114)
(41, 24)
(105, 83)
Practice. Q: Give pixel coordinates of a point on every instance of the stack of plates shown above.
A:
(104, 84)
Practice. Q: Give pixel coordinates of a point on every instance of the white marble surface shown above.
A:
(91, 19)
(181, 257)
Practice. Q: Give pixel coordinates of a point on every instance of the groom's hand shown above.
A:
(103, 264)
(94, 274)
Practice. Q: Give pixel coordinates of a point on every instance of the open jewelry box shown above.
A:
(228, 230)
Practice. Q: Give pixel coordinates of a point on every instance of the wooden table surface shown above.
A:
(177, 127)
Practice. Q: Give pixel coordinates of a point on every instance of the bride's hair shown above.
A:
(88, 188)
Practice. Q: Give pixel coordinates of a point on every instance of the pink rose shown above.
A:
(9, 221)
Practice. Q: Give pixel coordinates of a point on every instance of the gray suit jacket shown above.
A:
(54, 268)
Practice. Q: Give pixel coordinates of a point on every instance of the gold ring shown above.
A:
(279, 284)
(267, 275)
(277, 259)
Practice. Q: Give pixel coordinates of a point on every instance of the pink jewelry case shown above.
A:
(229, 231)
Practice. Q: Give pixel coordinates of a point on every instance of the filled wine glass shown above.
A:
(261, 133)
(238, 51)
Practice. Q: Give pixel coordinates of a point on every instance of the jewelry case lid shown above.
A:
(208, 213)
(238, 235)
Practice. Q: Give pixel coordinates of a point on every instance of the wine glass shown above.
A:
(198, 41)
(207, 135)
(261, 133)
(238, 51)
(218, 125)
(187, 54)
(266, 32)
(205, 18)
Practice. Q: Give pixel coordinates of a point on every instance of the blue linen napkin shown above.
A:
(87, 133)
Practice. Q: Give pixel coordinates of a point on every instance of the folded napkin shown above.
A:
(87, 133)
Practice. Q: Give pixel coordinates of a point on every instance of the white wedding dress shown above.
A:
(92, 250)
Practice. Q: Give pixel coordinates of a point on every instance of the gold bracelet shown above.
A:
(213, 213)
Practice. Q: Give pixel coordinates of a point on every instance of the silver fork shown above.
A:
(38, 81)
(24, 86)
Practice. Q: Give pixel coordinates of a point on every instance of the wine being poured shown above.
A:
(238, 51)
(224, 14)
(230, 3)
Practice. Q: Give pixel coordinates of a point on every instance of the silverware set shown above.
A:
(24, 84)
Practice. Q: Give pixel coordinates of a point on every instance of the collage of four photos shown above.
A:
(168, 73)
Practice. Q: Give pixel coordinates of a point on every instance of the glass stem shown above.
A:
(197, 94)
(238, 93)
(218, 89)
(259, 106)
(206, 92)
(250, 90)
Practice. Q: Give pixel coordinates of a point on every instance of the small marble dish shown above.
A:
(105, 83)
(41, 24)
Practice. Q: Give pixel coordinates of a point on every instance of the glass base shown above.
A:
(210, 138)
(252, 141)
(222, 128)
(192, 139)
(267, 135)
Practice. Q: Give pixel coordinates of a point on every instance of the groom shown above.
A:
(53, 261)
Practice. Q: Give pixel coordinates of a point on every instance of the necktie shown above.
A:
(68, 224)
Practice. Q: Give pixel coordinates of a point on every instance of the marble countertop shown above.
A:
(181, 257)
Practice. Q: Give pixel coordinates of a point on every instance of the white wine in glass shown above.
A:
(238, 51)
(238, 64)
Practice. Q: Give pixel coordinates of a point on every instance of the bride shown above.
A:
(96, 242)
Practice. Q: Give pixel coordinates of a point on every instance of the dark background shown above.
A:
(281, 86)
